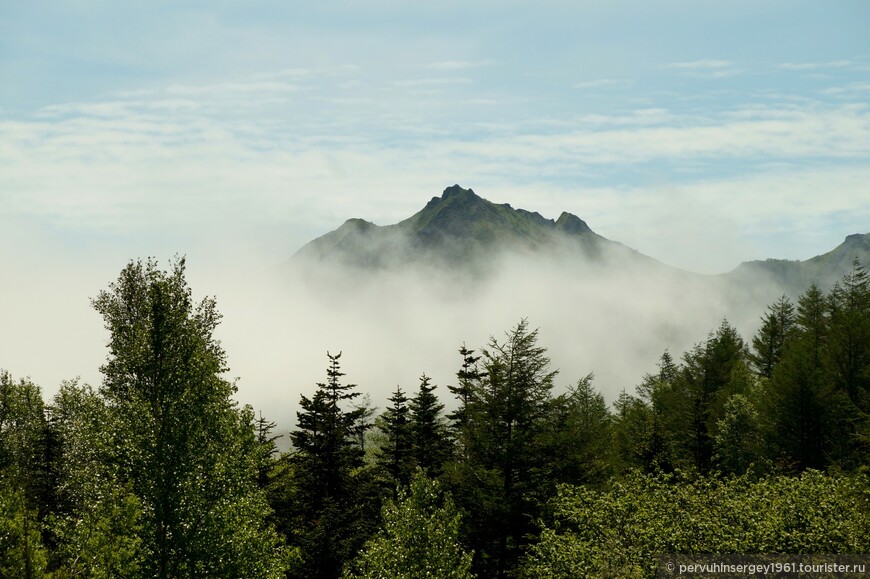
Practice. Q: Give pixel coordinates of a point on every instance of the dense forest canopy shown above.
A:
(158, 472)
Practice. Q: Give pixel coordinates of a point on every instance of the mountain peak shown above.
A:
(823, 270)
(357, 223)
(456, 190)
(459, 227)
(454, 196)
(857, 238)
(570, 223)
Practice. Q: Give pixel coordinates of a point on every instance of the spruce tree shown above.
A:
(849, 337)
(501, 479)
(769, 343)
(656, 391)
(395, 452)
(332, 514)
(847, 390)
(430, 442)
(464, 391)
(696, 400)
(581, 435)
(793, 405)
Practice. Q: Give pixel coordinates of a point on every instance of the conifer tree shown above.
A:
(793, 405)
(395, 453)
(269, 466)
(326, 444)
(656, 391)
(630, 432)
(769, 343)
(501, 479)
(697, 399)
(581, 435)
(464, 391)
(329, 519)
(430, 442)
(849, 337)
(848, 363)
(737, 440)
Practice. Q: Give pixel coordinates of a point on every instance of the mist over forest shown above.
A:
(612, 315)
(358, 290)
(394, 325)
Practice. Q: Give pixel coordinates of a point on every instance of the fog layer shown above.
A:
(612, 318)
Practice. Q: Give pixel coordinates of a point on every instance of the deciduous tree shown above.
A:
(181, 442)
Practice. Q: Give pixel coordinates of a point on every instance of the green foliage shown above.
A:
(326, 439)
(335, 498)
(101, 540)
(430, 442)
(180, 441)
(24, 480)
(848, 357)
(711, 373)
(395, 451)
(419, 537)
(97, 528)
(464, 391)
(769, 343)
(581, 435)
(501, 478)
(817, 401)
(22, 553)
(633, 434)
(159, 473)
(620, 532)
(737, 441)
(656, 391)
(793, 402)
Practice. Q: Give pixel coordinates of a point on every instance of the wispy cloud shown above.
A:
(115, 165)
(702, 65)
(817, 65)
(284, 73)
(855, 87)
(459, 64)
(428, 82)
(706, 68)
(602, 83)
(259, 86)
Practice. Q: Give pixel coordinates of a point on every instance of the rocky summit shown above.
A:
(458, 229)
(466, 233)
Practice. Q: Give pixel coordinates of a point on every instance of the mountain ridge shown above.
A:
(822, 270)
(459, 228)
(465, 232)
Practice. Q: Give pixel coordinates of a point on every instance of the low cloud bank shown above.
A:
(393, 326)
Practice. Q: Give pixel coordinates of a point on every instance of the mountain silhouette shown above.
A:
(460, 229)
(465, 233)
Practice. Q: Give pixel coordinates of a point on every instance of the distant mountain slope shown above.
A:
(466, 234)
(460, 229)
(795, 276)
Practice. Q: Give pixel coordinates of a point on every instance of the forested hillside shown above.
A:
(739, 445)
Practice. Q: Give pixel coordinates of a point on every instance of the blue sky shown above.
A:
(700, 133)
